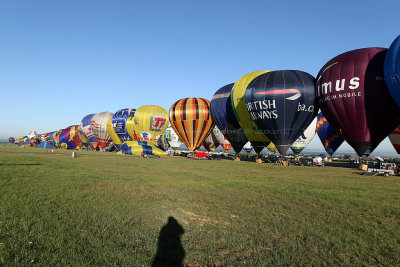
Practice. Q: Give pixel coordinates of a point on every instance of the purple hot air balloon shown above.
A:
(353, 97)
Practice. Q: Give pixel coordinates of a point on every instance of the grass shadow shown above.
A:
(170, 251)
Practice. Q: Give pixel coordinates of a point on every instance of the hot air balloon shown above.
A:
(99, 128)
(225, 119)
(354, 98)
(256, 136)
(148, 123)
(392, 70)
(330, 138)
(162, 142)
(56, 138)
(172, 138)
(281, 103)
(305, 138)
(191, 120)
(111, 132)
(70, 138)
(119, 123)
(87, 129)
(210, 143)
(140, 148)
(220, 139)
(11, 140)
(394, 138)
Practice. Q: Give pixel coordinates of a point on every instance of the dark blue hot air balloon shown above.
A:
(222, 113)
(282, 104)
(392, 70)
(330, 138)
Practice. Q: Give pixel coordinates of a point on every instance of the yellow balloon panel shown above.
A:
(148, 123)
(251, 130)
(114, 137)
(139, 148)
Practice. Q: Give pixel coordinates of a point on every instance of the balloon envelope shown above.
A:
(394, 138)
(140, 148)
(172, 138)
(148, 123)
(192, 121)
(99, 128)
(87, 129)
(305, 138)
(282, 104)
(353, 97)
(119, 123)
(257, 138)
(111, 132)
(330, 138)
(392, 70)
(225, 119)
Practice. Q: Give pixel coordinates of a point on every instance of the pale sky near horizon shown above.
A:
(62, 60)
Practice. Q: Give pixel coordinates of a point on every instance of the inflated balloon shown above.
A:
(56, 138)
(192, 121)
(225, 119)
(99, 128)
(305, 138)
(220, 139)
(11, 140)
(87, 129)
(354, 98)
(210, 143)
(172, 138)
(148, 123)
(394, 138)
(330, 138)
(253, 133)
(111, 132)
(162, 142)
(119, 123)
(69, 138)
(271, 147)
(282, 104)
(140, 148)
(392, 70)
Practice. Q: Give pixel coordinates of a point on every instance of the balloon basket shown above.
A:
(237, 159)
(258, 160)
(284, 163)
(363, 167)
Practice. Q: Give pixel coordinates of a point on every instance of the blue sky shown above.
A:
(62, 60)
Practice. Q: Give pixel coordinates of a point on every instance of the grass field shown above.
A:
(106, 209)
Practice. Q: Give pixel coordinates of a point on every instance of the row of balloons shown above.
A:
(273, 109)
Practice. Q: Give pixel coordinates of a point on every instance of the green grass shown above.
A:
(106, 209)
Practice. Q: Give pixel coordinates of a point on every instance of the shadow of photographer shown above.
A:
(170, 251)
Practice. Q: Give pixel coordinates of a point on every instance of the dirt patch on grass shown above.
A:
(202, 220)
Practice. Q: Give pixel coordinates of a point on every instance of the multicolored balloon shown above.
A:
(99, 128)
(87, 129)
(148, 123)
(305, 138)
(70, 138)
(282, 104)
(330, 138)
(225, 119)
(253, 133)
(353, 97)
(192, 121)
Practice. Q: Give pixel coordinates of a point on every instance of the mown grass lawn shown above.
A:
(106, 209)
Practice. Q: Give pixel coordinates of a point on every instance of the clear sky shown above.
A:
(62, 60)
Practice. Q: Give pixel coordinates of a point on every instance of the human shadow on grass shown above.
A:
(19, 164)
(170, 251)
